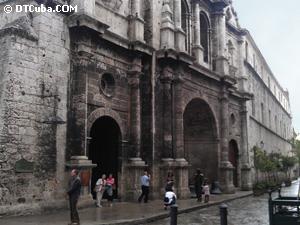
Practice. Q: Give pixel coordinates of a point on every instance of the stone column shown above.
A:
(77, 125)
(180, 163)
(136, 8)
(242, 75)
(197, 48)
(245, 168)
(178, 118)
(226, 168)
(179, 33)
(135, 108)
(167, 28)
(166, 81)
(220, 34)
(135, 166)
(136, 23)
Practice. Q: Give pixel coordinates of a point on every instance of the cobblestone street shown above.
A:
(246, 211)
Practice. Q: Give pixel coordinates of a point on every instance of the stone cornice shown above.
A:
(235, 30)
(83, 20)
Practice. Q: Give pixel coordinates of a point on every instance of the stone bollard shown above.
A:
(223, 213)
(173, 214)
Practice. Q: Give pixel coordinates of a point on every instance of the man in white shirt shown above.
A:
(145, 183)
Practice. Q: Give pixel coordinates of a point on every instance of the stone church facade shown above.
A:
(125, 85)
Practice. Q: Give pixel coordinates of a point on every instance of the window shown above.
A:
(269, 82)
(276, 125)
(185, 23)
(204, 35)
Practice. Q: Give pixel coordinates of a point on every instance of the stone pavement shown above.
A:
(120, 213)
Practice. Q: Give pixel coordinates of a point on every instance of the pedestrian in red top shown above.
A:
(110, 184)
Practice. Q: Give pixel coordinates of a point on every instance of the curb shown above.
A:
(164, 215)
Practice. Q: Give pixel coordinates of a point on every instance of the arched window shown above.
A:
(204, 36)
(185, 23)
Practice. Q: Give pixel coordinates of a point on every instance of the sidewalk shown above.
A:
(121, 213)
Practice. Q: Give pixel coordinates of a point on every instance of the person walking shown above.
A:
(145, 183)
(170, 198)
(198, 181)
(100, 188)
(110, 184)
(74, 193)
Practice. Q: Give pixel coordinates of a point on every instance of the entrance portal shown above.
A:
(233, 158)
(200, 139)
(104, 150)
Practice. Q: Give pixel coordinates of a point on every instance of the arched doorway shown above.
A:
(233, 158)
(104, 149)
(200, 139)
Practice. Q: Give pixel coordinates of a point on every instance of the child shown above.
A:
(170, 198)
(206, 191)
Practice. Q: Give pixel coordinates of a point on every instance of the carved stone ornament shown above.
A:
(113, 4)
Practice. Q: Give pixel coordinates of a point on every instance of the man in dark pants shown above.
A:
(198, 180)
(74, 192)
(145, 182)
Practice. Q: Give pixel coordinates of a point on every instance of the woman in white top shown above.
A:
(100, 188)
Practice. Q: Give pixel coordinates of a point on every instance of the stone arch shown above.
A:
(96, 114)
(195, 95)
(200, 136)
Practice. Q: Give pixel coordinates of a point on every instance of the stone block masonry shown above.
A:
(34, 75)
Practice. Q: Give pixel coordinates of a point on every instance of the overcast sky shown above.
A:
(275, 27)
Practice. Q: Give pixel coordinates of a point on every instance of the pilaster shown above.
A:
(245, 168)
(166, 80)
(136, 23)
(197, 47)
(226, 168)
(167, 28)
(221, 62)
(135, 108)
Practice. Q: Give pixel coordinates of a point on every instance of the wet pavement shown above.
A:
(243, 209)
(246, 211)
(121, 213)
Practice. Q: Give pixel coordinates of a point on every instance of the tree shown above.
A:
(288, 162)
(296, 147)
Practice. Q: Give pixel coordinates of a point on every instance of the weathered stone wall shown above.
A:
(35, 76)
